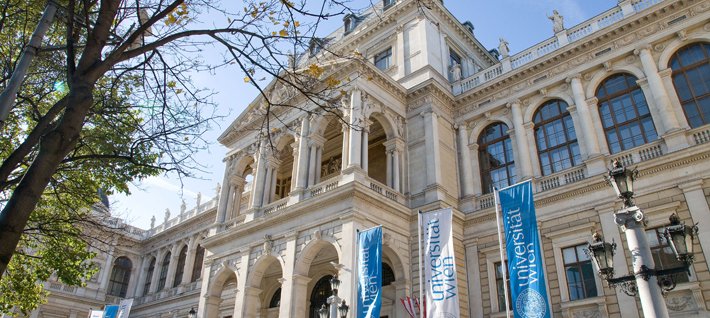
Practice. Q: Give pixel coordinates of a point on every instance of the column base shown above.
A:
(596, 165)
(676, 140)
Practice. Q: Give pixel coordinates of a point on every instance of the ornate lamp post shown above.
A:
(343, 309)
(336, 307)
(646, 282)
(191, 313)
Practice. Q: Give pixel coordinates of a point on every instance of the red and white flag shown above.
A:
(409, 306)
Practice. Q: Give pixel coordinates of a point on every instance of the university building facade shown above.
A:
(432, 120)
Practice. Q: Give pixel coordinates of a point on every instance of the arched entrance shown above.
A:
(319, 295)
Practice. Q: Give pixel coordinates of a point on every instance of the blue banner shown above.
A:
(527, 274)
(110, 311)
(369, 273)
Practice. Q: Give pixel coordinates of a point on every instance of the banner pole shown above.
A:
(421, 279)
(503, 265)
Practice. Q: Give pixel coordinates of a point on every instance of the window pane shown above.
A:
(681, 86)
(574, 282)
(590, 285)
(569, 256)
(606, 115)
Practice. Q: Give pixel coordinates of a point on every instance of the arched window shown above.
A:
(120, 276)
(163, 272)
(387, 274)
(557, 144)
(495, 151)
(275, 299)
(625, 116)
(197, 268)
(319, 296)
(691, 78)
(180, 270)
(149, 277)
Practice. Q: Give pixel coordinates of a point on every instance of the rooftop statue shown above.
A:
(503, 48)
(558, 20)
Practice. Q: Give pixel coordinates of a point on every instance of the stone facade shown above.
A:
(421, 139)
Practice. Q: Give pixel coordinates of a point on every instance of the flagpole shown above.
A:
(503, 266)
(421, 279)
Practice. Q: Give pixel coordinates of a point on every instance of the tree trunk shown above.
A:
(53, 148)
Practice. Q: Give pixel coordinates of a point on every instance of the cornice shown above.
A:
(430, 92)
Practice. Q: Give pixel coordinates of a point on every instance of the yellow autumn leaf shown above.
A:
(171, 18)
(342, 92)
(283, 33)
(262, 79)
(229, 20)
(296, 23)
(186, 138)
(347, 78)
(273, 33)
(369, 79)
(178, 91)
(171, 84)
(246, 79)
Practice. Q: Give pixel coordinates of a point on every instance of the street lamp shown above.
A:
(343, 309)
(323, 312)
(646, 282)
(191, 313)
(334, 285)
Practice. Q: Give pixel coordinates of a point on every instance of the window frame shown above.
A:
(199, 257)
(164, 268)
(149, 276)
(124, 284)
(387, 58)
(483, 147)
(573, 236)
(495, 285)
(628, 91)
(537, 126)
(578, 264)
(683, 71)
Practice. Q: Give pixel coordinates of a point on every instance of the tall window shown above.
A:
(319, 296)
(163, 272)
(557, 144)
(580, 273)
(120, 276)
(663, 255)
(180, 270)
(500, 290)
(691, 78)
(495, 151)
(197, 266)
(383, 60)
(387, 274)
(275, 299)
(149, 277)
(625, 116)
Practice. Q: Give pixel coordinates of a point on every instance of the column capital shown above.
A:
(572, 77)
(691, 185)
(665, 72)
(513, 103)
(646, 47)
(511, 133)
(317, 140)
(529, 125)
(237, 180)
(473, 146)
(571, 109)
(299, 279)
(252, 291)
(592, 101)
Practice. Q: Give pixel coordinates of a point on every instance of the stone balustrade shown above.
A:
(189, 214)
(571, 35)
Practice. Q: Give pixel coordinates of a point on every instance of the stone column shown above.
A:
(302, 172)
(431, 142)
(266, 194)
(354, 155)
(585, 116)
(395, 169)
(525, 165)
(667, 78)
(288, 286)
(224, 197)
(299, 295)
(346, 147)
(388, 155)
(466, 174)
(189, 260)
(699, 210)
(260, 177)
(475, 169)
(241, 300)
(319, 162)
(658, 90)
(227, 215)
(312, 166)
(238, 183)
(274, 179)
(473, 275)
(251, 295)
(366, 144)
(211, 306)
(532, 148)
(108, 265)
(174, 255)
(141, 277)
(156, 274)
(294, 169)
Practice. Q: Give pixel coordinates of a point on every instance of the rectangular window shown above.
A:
(579, 272)
(499, 287)
(383, 60)
(663, 255)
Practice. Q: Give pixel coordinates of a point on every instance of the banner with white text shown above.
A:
(525, 268)
(369, 272)
(124, 308)
(110, 311)
(440, 281)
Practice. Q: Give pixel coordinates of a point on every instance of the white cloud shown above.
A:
(161, 182)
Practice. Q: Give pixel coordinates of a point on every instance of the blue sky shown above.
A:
(521, 22)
